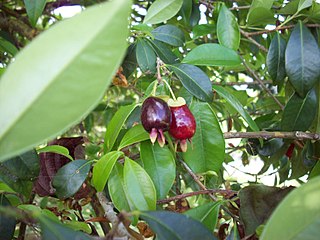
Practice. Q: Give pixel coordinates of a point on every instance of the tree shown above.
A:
(75, 160)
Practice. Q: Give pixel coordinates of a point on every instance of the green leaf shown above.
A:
(194, 80)
(234, 102)
(162, 10)
(118, 190)
(302, 59)
(159, 163)
(257, 204)
(8, 47)
(53, 230)
(260, 13)
(208, 141)
(70, 178)
(228, 29)
(276, 59)
(304, 4)
(212, 54)
(290, 8)
(175, 226)
(34, 10)
(20, 172)
(207, 214)
(134, 135)
(7, 224)
(260, 16)
(169, 34)
(115, 125)
(163, 52)
(297, 216)
(299, 113)
(103, 168)
(203, 29)
(56, 149)
(63, 58)
(139, 186)
(146, 57)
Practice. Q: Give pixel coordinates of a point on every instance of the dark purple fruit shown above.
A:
(183, 124)
(156, 118)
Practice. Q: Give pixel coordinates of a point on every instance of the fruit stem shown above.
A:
(170, 89)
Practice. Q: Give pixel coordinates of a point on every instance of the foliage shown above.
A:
(72, 145)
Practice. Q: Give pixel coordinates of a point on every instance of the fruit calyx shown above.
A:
(156, 118)
(183, 123)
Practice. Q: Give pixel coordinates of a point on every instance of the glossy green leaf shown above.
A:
(260, 13)
(207, 214)
(276, 59)
(194, 80)
(53, 230)
(103, 168)
(159, 163)
(134, 135)
(175, 226)
(257, 203)
(299, 112)
(146, 57)
(234, 102)
(302, 59)
(304, 4)
(7, 224)
(203, 29)
(207, 142)
(8, 47)
(139, 186)
(163, 52)
(70, 178)
(186, 10)
(56, 149)
(162, 10)
(34, 9)
(260, 16)
(118, 190)
(228, 29)
(169, 34)
(63, 58)
(115, 125)
(20, 172)
(290, 8)
(212, 54)
(297, 216)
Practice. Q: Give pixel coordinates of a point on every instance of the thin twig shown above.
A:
(261, 47)
(203, 187)
(297, 135)
(239, 83)
(257, 78)
(190, 194)
(312, 25)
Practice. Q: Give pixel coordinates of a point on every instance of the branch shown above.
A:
(239, 83)
(109, 213)
(297, 135)
(185, 195)
(262, 48)
(279, 28)
(252, 72)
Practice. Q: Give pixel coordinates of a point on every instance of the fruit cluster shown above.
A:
(157, 116)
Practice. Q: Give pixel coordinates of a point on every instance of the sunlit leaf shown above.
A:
(40, 102)
(162, 10)
(159, 163)
(297, 216)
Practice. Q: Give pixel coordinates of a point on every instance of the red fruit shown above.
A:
(155, 118)
(183, 124)
(290, 150)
